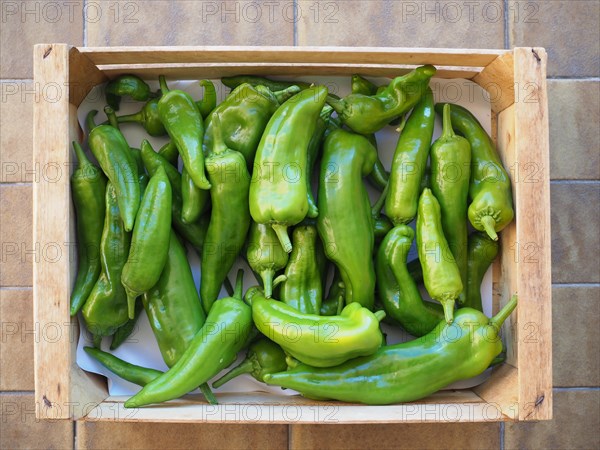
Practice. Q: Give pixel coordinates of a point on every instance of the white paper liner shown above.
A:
(141, 347)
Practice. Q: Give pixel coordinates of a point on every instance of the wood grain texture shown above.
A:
(498, 79)
(533, 230)
(85, 72)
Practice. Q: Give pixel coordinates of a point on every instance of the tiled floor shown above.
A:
(568, 29)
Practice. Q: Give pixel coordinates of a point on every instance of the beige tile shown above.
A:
(16, 123)
(95, 435)
(20, 429)
(396, 436)
(401, 24)
(576, 424)
(574, 133)
(568, 29)
(575, 238)
(183, 22)
(16, 340)
(27, 23)
(16, 238)
(575, 318)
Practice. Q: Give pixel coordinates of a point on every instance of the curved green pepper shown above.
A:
(126, 330)
(209, 98)
(194, 200)
(118, 163)
(313, 339)
(106, 308)
(362, 86)
(410, 160)
(278, 193)
(345, 212)
(397, 291)
(482, 250)
(244, 115)
(366, 114)
(491, 207)
(214, 347)
(195, 232)
(264, 254)
(314, 147)
(334, 303)
(229, 218)
(147, 117)
(381, 224)
(303, 288)
(126, 85)
(173, 306)
(263, 357)
(88, 187)
(450, 170)
(169, 152)
(150, 240)
(440, 272)
(379, 177)
(408, 371)
(183, 121)
(253, 80)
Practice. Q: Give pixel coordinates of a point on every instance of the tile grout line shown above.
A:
(567, 181)
(506, 37)
(14, 80)
(295, 27)
(84, 23)
(289, 437)
(584, 284)
(17, 393)
(575, 388)
(16, 288)
(501, 435)
(569, 78)
(74, 435)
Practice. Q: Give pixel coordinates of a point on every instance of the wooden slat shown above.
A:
(87, 74)
(533, 230)
(498, 79)
(455, 406)
(283, 54)
(54, 128)
(502, 389)
(217, 70)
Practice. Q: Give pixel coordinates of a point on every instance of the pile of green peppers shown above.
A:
(330, 266)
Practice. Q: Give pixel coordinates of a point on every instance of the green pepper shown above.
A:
(106, 308)
(378, 177)
(169, 152)
(263, 357)
(314, 147)
(440, 272)
(450, 170)
(303, 288)
(264, 254)
(195, 232)
(136, 374)
(209, 98)
(408, 371)
(194, 200)
(367, 114)
(397, 291)
(229, 218)
(334, 303)
(410, 160)
(112, 152)
(482, 250)
(313, 339)
(381, 224)
(147, 117)
(125, 331)
(491, 207)
(252, 80)
(214, 347)
(363, 86)
(173, 306)
(150, 240)
(345, 223)
(88, 186)
(126, 85)
(278, 192)
(183, 122)
(244, 115)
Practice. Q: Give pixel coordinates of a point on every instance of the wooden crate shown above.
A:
(520, 389)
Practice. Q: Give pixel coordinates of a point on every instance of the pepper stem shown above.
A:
(245, 366)
(90, 123)
(379, 314)
(377, 207)
(82, 159)
(239, 285)
(447, 130)
(128, 118)
(131, 298)
(208, 394)
(503, 314)
(280, 279)
(448, 306)
(282, 234)
(488, 223)
(163, 84)
(97, 339)
(112, 117)
(286, 93)
(267, 279)
(337, 105)
(340, 305)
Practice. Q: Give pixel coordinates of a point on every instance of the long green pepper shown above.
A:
(88, 187)
(265, 255)
(482, 250)
(450, 171)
